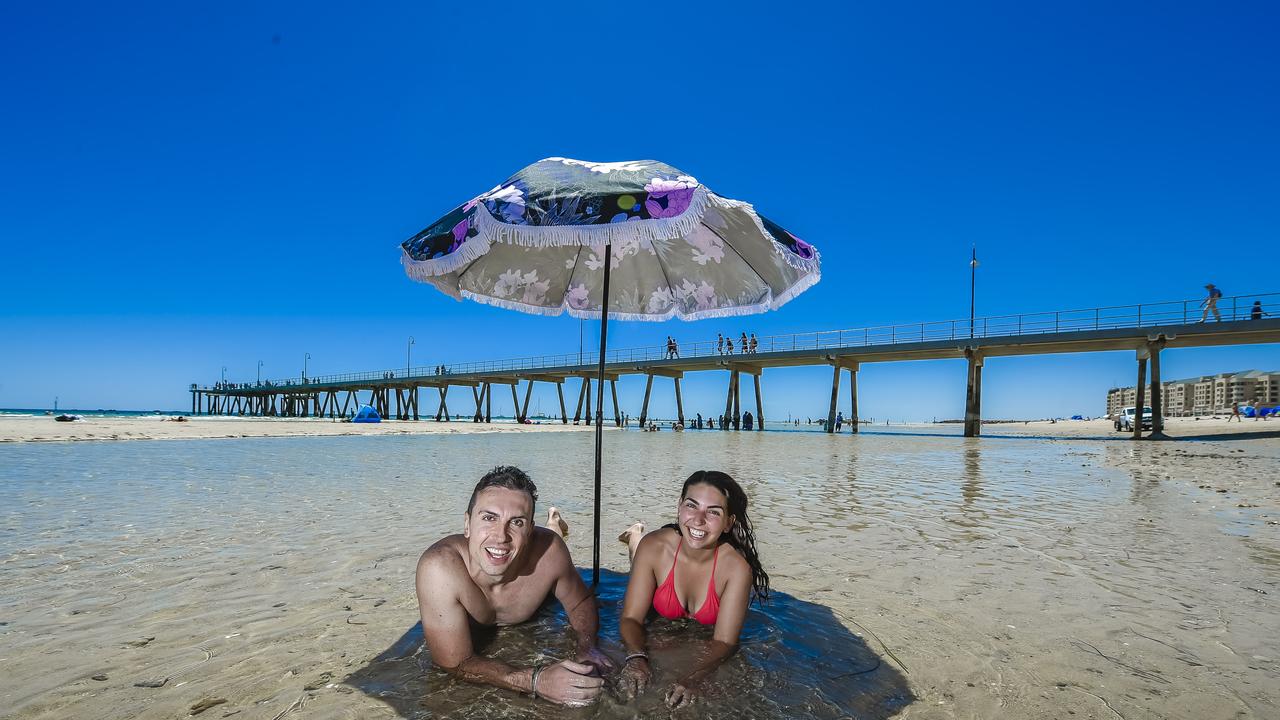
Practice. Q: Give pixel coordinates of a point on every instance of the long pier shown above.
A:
(1147, 330)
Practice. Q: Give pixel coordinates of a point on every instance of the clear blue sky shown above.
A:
(190, 186)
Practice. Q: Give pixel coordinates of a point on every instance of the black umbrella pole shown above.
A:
(604, 335)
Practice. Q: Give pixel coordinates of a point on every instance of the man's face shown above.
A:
(498, 528)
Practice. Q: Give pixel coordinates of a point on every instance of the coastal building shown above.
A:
(1205, 395)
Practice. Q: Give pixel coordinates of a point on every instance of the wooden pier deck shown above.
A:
(1147, 330)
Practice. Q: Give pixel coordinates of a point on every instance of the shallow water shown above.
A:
(1023, 577)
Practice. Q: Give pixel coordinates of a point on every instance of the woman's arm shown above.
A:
(635, 607)
(724, 641)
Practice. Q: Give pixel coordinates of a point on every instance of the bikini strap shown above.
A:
(714, 558)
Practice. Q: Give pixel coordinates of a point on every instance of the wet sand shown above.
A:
(921, 577)
(165, 427)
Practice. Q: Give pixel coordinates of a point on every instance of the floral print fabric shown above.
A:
(725, 259)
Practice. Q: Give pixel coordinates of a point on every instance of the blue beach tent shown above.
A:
(367, 414)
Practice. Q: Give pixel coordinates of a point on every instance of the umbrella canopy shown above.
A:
(551, 238)
(536, 243)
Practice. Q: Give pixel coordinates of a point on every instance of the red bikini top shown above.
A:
(668, 605)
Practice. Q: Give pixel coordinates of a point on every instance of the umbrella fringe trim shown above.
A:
(420, 270)
(669, 228)
(808, 265)
(770, 303)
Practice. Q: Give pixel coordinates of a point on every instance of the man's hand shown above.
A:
(681, 695)
(595, 657)
(635, 677)
(569, 683)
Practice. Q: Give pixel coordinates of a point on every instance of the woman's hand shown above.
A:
(595, 657)
(635, 677)
(681, 695)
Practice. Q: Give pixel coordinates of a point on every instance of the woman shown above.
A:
(704, 567)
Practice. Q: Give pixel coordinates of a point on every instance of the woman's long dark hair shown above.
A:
(741, 536)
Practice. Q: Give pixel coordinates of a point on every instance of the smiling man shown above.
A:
(499, 571)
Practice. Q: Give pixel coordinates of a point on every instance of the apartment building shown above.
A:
(1205, 395)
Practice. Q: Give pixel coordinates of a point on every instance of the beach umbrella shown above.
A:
(637, 240)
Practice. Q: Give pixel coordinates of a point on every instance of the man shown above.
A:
(1210, 304)
(500, 571)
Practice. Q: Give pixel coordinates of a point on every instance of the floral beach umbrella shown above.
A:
(637, 240)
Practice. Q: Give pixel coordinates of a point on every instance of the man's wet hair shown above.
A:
(509, 477)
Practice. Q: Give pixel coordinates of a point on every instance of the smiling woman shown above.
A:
(718, 581)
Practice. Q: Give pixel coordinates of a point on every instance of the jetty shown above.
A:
(1147, 330)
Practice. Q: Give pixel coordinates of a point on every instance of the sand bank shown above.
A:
(1179, 428)
(46, 429)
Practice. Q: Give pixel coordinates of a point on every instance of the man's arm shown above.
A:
(447, 627)
(578, 603)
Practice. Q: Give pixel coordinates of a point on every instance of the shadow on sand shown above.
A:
(796, 660)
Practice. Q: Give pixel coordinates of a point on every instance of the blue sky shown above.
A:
(185, 187)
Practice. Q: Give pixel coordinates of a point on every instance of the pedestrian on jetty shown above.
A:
(719, 344)
(745, 344)
(1210, 303)
(1255, 313)
(754, 343)
(728, 346)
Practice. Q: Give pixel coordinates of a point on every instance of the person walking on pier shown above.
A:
(719, 344)
(743, 348)
(1210, 304)
(728, 346)
(1255, 313)
(754, 343)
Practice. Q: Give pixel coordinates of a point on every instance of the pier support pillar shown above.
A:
(973, 395)
(617, 414)
(564, 416)
(413, 398)
(737, 400)
(853, 397)
(1142, 394)
(586, 384)
(488, 402)
(528, 390)
(442, 409)
(644, 406)
(835, 398)
(1157, 390)
(679, 402)
(515, 405)
(582, 394)
(759, 403)
(478, 393)
(726, 418)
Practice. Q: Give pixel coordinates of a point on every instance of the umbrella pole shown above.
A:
(604, 334)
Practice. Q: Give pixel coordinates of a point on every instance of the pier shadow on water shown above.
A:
(796, 660)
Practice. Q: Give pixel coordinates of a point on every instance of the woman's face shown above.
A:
(703, 516)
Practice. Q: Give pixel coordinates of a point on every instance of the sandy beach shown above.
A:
(917, 575)
(41, 428)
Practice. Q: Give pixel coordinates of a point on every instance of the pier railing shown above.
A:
(1176, 312)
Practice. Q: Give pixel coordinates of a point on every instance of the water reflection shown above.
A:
(796, 660)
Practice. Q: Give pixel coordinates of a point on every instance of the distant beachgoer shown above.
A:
(747, 420)
(502, 569)
(839, 421)
(719, 344)
(685, 557)
(1235, 412)
(1210, 304)
(1255, 313)
(697, 424)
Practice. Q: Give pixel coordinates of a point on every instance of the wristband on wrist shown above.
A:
(634, 655)
(533, 680)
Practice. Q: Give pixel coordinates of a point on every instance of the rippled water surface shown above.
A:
(916, 575)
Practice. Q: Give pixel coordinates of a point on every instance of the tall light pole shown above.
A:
(973, 285)
(259, 372)
(305, 358)
(224, 374)
(408, 355)
(580, 341)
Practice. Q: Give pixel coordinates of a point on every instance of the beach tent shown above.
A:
(367, 414)
(547, 239)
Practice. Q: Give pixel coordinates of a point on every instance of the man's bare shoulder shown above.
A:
(549, 548)
(444, 558)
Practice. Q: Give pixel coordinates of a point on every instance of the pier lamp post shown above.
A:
(305, 358)
(259, 372)
(408, 356)
(224, 374)
(973, 285)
